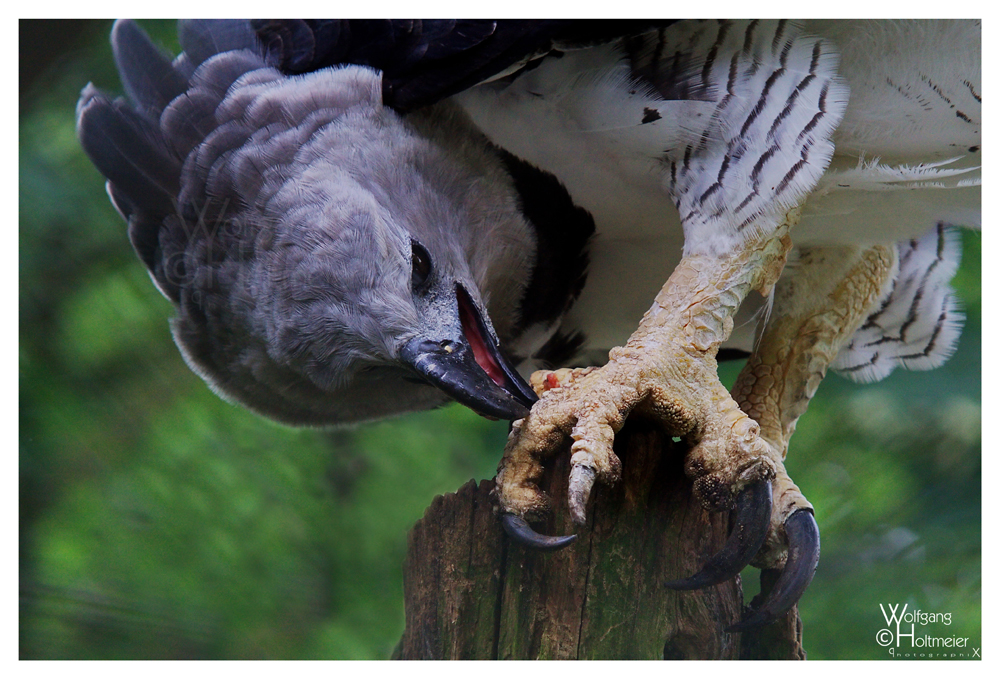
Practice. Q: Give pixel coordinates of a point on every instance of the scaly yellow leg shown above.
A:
(815, 311)
(667, 369)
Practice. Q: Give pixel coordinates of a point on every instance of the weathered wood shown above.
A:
(472, 594)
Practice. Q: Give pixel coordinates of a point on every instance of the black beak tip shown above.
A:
(451, 367)
(512, 410)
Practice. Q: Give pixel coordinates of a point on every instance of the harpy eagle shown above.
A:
(356, 219)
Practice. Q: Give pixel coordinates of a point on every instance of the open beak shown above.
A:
(471, 368)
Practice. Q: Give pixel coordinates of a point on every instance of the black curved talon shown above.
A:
(753, 517)
(520, 532)
(803, 556)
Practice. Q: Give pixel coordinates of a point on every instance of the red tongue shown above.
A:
(480, 350)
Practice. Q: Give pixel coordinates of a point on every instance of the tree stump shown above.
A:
(470, 593)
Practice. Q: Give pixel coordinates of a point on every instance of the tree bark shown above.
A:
(472, 594)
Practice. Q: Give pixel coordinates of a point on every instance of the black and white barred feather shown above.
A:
(777, 99)
(917, 323)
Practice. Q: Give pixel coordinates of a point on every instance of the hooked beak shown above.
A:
(471, 369)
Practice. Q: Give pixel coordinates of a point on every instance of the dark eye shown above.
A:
(421, 265)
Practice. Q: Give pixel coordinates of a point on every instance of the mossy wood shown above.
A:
(472, 594)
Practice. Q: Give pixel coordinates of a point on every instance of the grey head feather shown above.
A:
(294, 206)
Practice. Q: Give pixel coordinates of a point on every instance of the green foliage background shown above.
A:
(158, 521)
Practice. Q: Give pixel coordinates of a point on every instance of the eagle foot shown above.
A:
(667, 373)
(589, 406)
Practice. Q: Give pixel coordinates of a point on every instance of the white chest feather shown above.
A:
(614, 142)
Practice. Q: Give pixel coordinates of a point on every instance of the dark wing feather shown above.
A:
(205, 38)
(425, 61)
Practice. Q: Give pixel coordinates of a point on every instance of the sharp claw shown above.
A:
(520, 532)
(581, 481)
(803, 555)
(753, 516)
